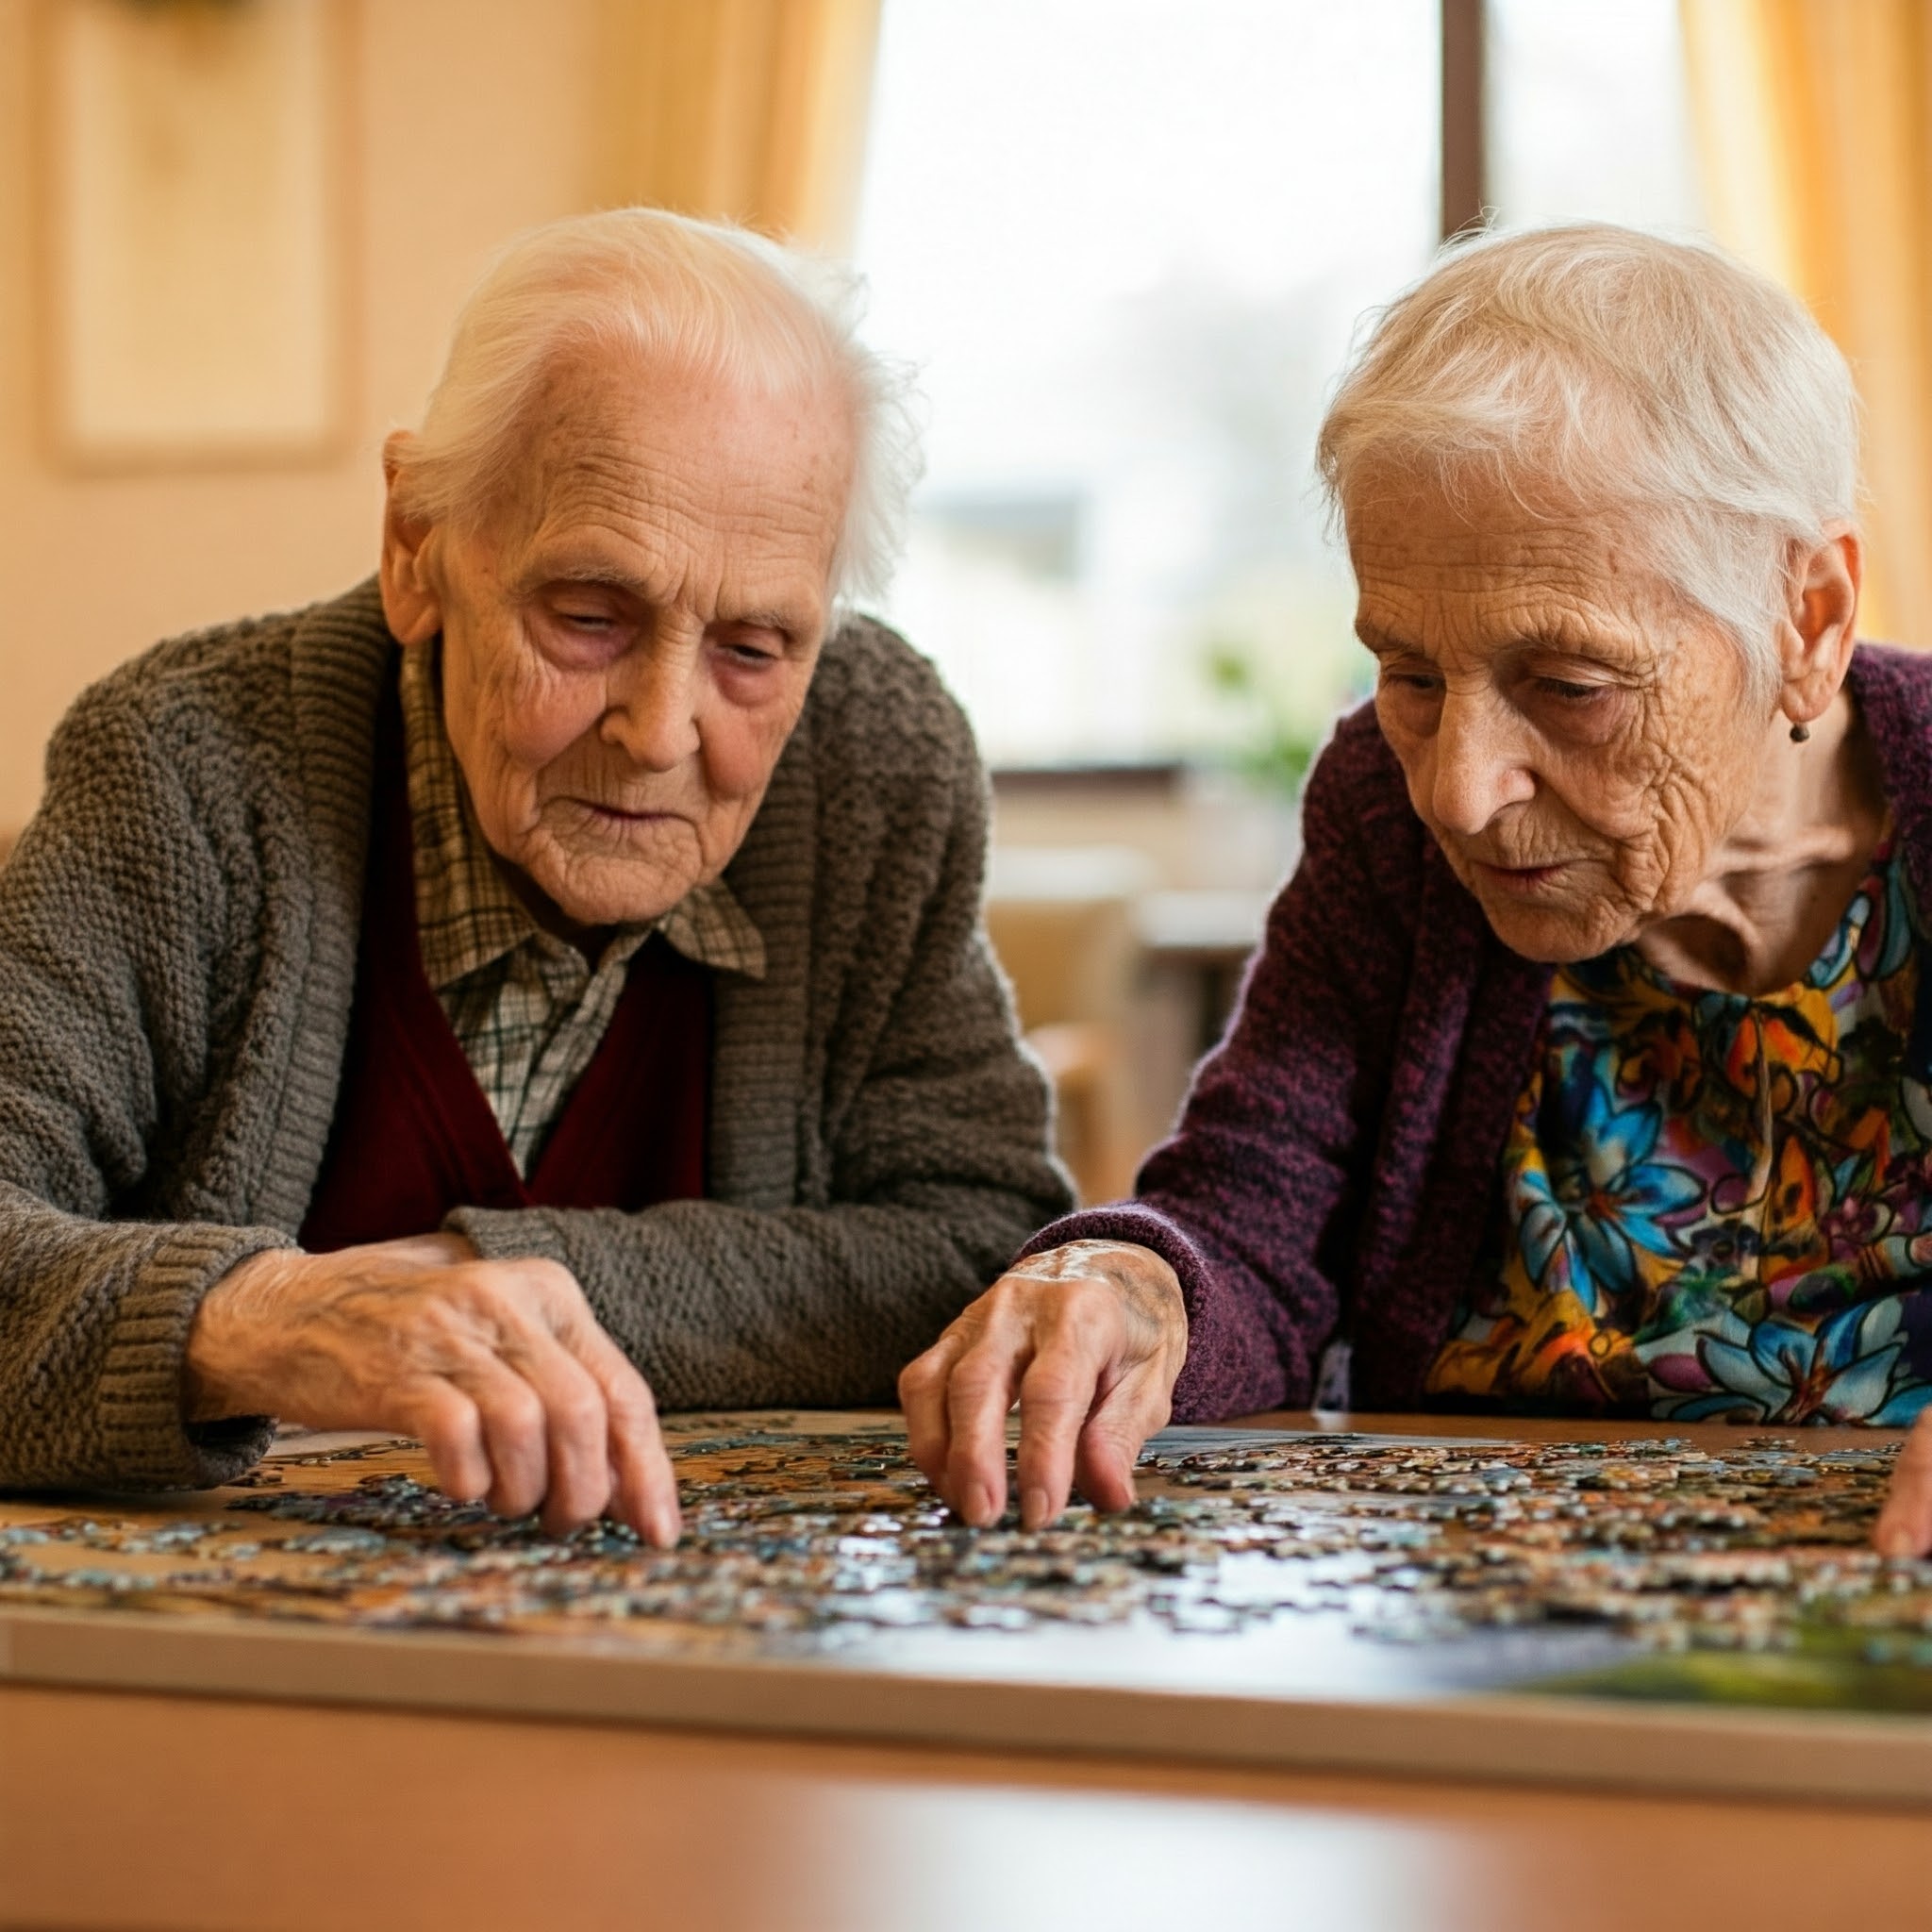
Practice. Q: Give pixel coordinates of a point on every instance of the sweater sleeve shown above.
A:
(106, 1005)
(1254, 1200)
(936, 1132)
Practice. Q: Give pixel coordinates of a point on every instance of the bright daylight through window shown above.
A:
(1108, 231)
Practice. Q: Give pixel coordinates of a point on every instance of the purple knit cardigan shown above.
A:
(1335, 1169)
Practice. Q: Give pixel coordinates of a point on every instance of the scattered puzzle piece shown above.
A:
(811, 1541)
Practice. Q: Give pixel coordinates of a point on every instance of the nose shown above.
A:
(651, 702)
(1477, 763)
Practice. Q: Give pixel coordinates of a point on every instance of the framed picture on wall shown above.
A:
(194, 258)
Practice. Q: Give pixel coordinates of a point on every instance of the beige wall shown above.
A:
(471, 119)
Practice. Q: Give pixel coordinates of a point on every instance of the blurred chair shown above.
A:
(1064, 923)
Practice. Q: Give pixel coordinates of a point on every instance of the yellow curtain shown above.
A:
(1814, 123)
(753, 110)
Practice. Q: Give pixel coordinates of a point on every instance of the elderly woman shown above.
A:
(1584, 1068)
(554, 963)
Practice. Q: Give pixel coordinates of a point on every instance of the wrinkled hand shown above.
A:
(1090, 1337)
(498, 1367)
(1905, 1524)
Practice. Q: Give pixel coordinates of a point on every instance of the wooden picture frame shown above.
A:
(194, 179)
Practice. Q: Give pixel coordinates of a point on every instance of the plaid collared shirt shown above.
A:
(527, 1007)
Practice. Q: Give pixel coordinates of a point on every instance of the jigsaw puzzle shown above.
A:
(1256, 1564)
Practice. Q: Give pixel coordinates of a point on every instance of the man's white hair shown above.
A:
(1595, 371)
(662, 287)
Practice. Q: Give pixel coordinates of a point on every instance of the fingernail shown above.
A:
(1035, 1508)
(976, 1505)
(1893, 1543)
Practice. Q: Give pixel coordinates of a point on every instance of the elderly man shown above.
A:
(556, 959)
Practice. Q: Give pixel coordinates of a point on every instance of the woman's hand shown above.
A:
(1090, 1337)
(498, 1367)
(1905, 1524)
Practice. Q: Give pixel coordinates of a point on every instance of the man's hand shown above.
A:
(499, 1367)
(1090, 1337)
(1905, 1524)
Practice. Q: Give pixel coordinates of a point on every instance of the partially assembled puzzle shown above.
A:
(1280, 1581)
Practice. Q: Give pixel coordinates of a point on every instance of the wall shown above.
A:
(470, 119)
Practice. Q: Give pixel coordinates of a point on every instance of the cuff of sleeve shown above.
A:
(1213, 1340)
(509, 1234)
(147, 1441)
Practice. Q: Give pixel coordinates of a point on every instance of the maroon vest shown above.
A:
(414, 1136)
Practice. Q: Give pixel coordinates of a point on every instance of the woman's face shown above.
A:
(1577, 740)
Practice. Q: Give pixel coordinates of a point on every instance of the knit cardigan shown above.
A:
(1336, 1168)
(178, 932)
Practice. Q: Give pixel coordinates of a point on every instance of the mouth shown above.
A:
(621, 815)
(601, 812)
(1521, 880)
(620, 827)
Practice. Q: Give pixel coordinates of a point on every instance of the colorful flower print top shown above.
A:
(1716, 1206)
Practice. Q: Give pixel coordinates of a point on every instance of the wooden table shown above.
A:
(141, 1812)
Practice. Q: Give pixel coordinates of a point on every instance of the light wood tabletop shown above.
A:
(141, 1812)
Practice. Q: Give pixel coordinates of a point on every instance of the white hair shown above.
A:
(1596, 370)
(704, 295)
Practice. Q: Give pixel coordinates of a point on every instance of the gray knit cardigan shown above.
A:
(177, 957)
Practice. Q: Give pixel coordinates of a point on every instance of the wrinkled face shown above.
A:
(1576, 738)
(628, 637)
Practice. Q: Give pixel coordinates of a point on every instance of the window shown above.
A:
(1587, 114)
(1128, 241)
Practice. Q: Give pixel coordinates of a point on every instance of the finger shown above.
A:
(644, 1485)
(923, 1397)
(446, 1420)
(1057, 1394)
(980, 1393)
(647, 1482)
(513, 1434)
(1114, 1435)
(1905, 1526)
(577, 1429)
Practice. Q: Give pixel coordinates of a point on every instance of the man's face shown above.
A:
(628, 637)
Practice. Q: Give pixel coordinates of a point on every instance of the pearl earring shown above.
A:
(1800, 733)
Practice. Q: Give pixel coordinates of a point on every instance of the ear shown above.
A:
(1821, 629)
(411, 600)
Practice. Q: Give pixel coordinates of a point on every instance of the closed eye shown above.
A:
(751, 646)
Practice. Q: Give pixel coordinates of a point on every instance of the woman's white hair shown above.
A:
(662, 287)
(1596, 370)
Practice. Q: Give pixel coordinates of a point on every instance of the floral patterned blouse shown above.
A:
(1716, 1206)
